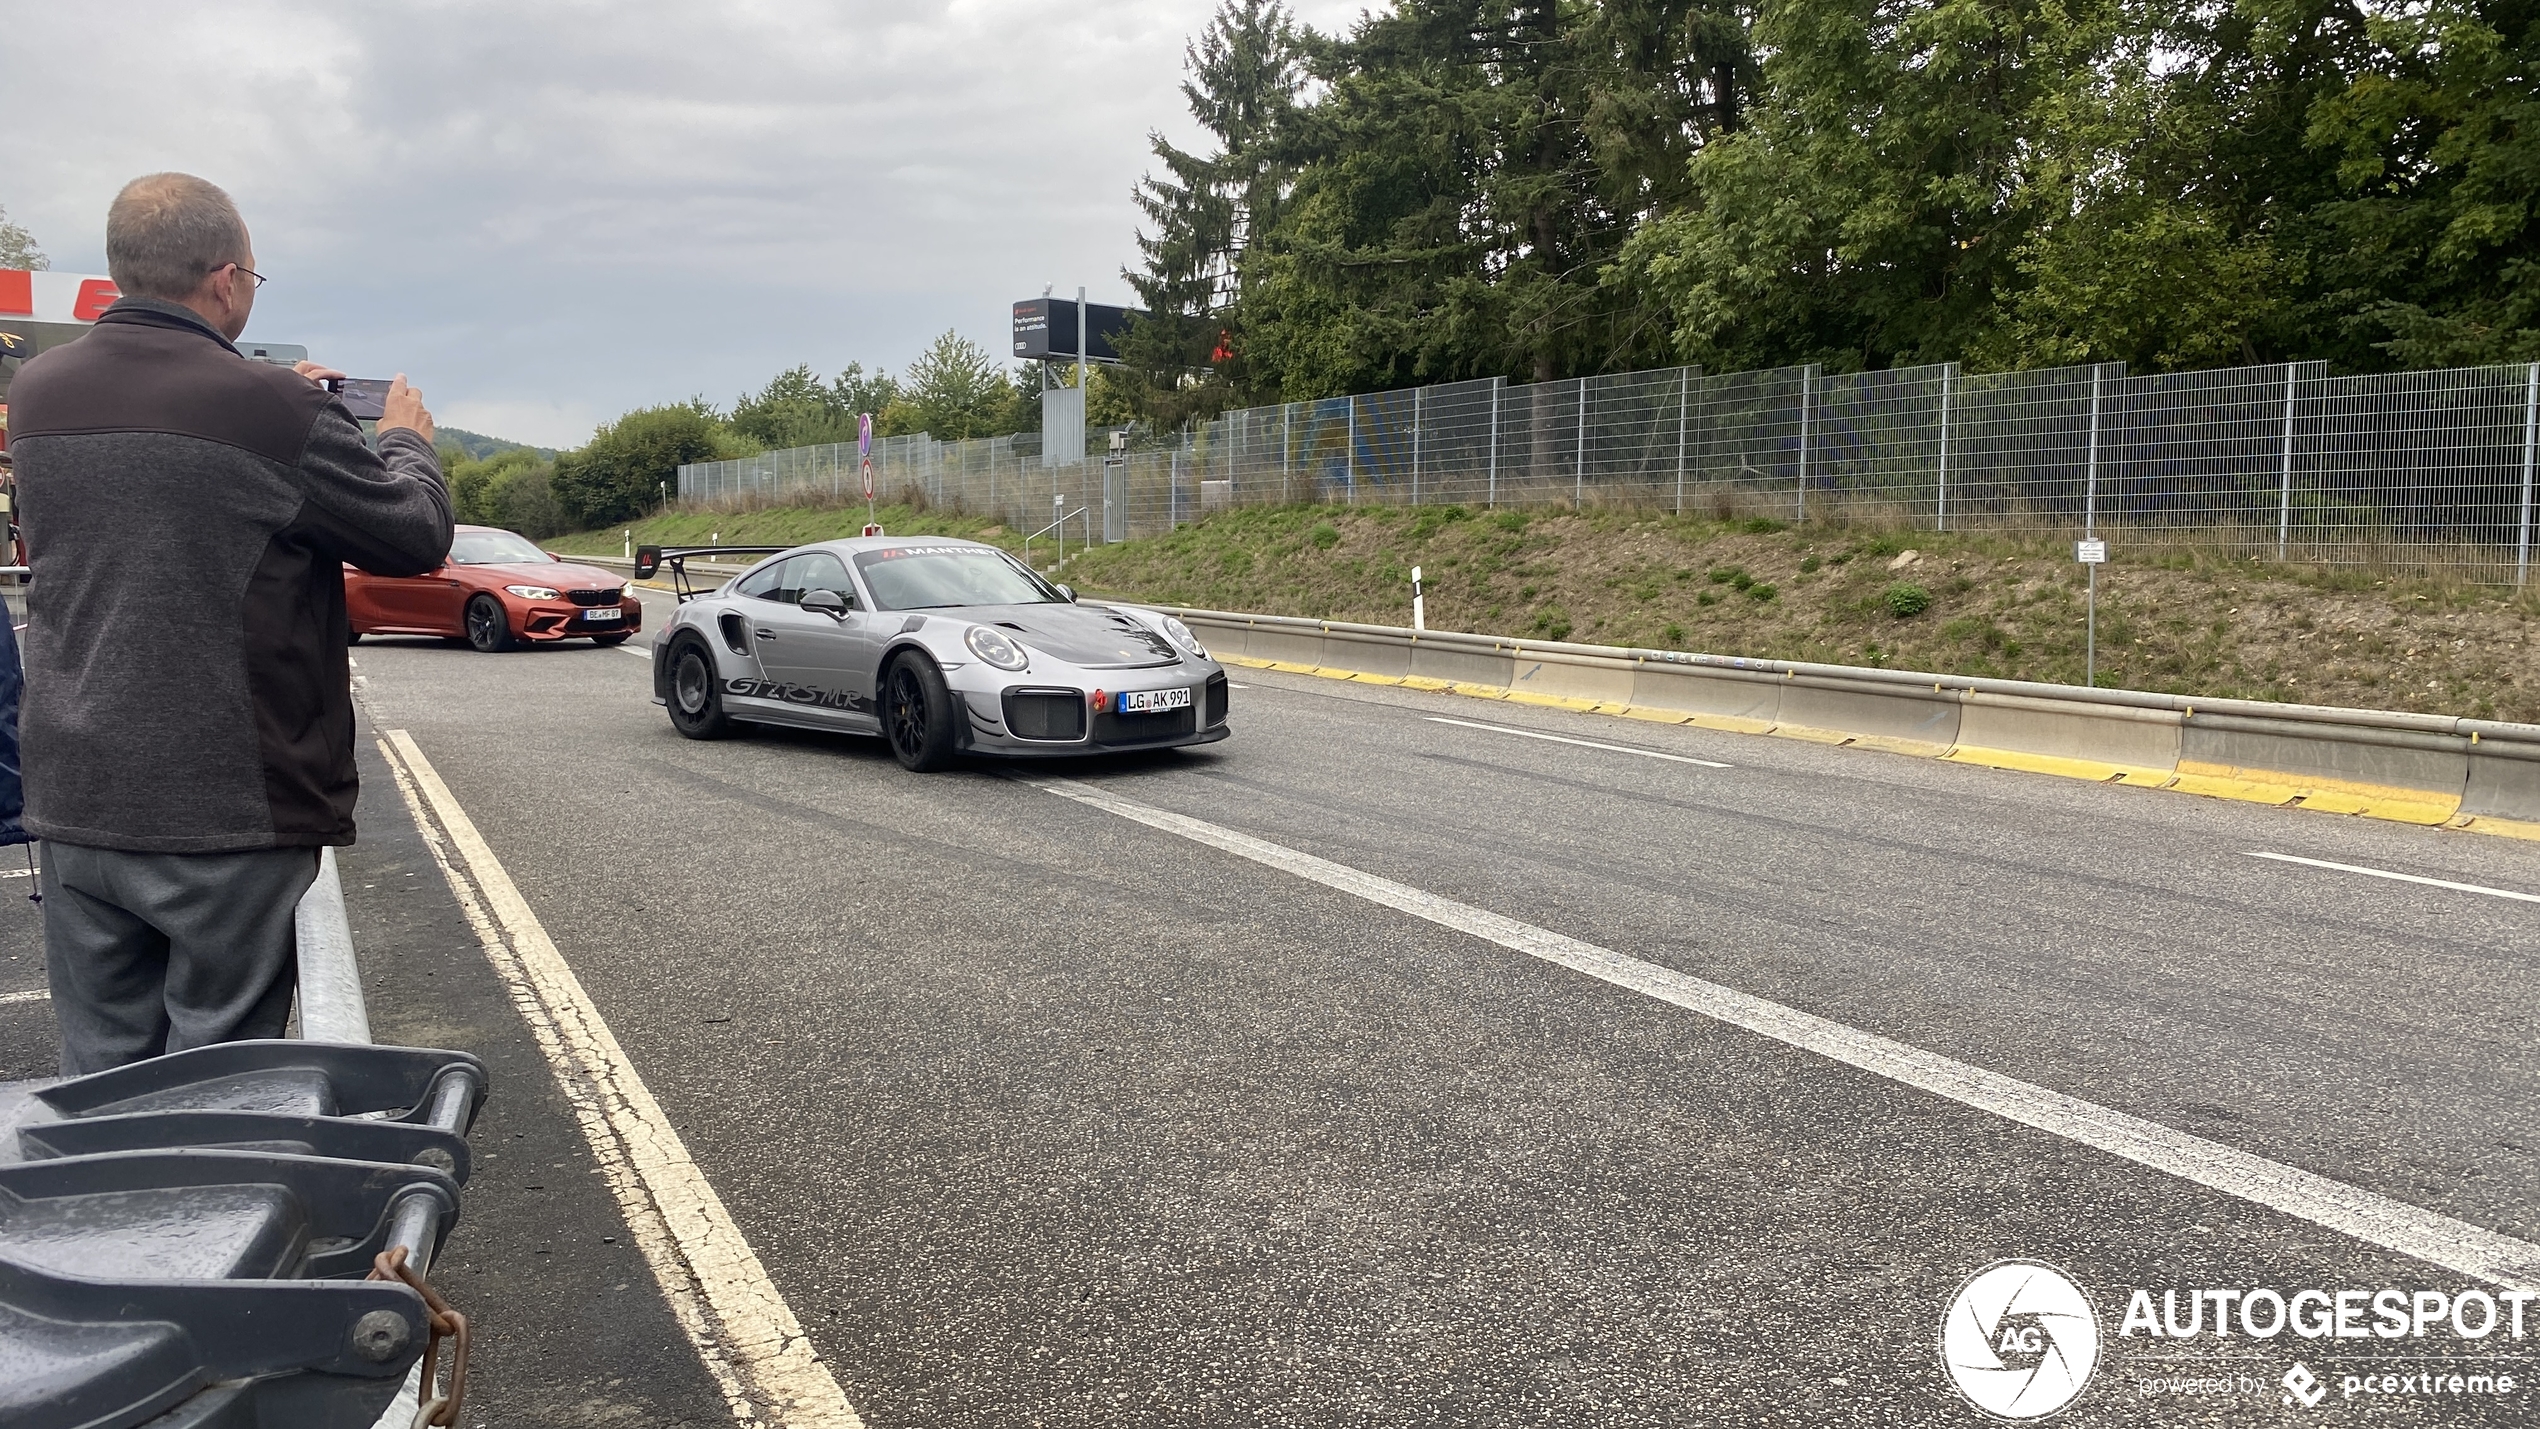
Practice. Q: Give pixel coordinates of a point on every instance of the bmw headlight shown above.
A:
(1182, 636)
(990, 644)
(531, 592)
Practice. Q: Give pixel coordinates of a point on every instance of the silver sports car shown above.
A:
(943, 647)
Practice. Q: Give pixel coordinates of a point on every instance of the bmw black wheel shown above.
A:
(696, 702)
(917, 714)
(488, 628)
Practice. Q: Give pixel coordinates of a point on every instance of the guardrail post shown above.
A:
(2530, 431)
(2284, 488)
(1948, 386)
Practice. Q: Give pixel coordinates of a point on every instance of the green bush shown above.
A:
(1552, 623)
(622, 471)
(1675, 634)
(1762, 526)
(1326, 536)
(1808, 565)
(1759, 590)
(1905, 600)
(1510, 520)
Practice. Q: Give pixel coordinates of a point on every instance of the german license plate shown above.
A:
(1151, 701)
(604, 612)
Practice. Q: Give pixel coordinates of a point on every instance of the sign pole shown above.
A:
(864, 452)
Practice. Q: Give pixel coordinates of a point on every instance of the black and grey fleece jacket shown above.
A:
(187, 514)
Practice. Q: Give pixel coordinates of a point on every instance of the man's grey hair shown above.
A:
(167, 232)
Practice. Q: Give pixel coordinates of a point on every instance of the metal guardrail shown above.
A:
(2426, 769)
(148, 1268)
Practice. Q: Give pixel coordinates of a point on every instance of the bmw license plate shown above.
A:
(604, 612)
(1151, 701)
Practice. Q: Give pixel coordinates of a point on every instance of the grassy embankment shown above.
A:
(2182, 619)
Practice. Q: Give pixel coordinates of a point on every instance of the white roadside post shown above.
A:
(1419, 603)
(2092, 552)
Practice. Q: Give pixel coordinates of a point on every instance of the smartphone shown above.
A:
(365, 397)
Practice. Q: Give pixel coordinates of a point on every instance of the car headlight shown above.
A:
(1183, 637)
(531, 592)
(990, 644)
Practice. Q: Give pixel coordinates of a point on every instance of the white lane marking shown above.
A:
(740, 1324)
(1583, 743)
(38, 995)
(640, 652)
(2401, 877)
(2365, 1215)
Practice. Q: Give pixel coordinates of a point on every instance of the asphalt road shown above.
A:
(1039, 1115)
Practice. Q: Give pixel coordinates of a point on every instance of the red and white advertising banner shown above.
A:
(54, 297)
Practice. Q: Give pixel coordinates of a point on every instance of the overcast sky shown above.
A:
(548, 213)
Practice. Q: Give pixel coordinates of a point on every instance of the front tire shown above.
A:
(696, 693)
(608, 642)
(489, 627)
(917, 714)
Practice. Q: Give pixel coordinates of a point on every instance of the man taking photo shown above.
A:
(187, 731)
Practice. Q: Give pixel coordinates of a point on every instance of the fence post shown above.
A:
(1684, 398)
(1416, 394)
(1491, 496)
(1578, 470)
(2284, 488)
(1948, 387)
(1807, 412)
(2530, 430)
(1173, 494)
(1349, 455)
(2090, 472)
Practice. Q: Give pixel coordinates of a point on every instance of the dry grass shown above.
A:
(2176, 617)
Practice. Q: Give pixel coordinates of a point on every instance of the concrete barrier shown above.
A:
(2423, 769)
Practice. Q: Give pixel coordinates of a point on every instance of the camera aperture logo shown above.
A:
(2020, 1340)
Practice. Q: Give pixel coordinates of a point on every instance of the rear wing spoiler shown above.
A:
(650, 559)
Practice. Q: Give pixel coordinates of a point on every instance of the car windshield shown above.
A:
(493, 548)
(924, 577)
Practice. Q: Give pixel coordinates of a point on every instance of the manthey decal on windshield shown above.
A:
(793, 694)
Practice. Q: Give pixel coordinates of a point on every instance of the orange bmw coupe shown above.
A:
(497, 591)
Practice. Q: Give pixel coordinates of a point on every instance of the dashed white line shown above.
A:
(1582, 743)
(2400, 877)
(37, 995)
(2367, 1216)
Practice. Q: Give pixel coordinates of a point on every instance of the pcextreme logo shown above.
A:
(2020, 1340)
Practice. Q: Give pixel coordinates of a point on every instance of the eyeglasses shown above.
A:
(243, 268)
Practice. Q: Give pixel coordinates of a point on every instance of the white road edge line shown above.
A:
(1582, 743)
(2401, 877)
(2350, 1210)
(733, 1313)
(41, 994)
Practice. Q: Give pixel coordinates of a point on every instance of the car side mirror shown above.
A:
(828, 602)
(1067, 593)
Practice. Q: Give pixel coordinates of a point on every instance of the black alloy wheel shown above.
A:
(489, 629)
(607, 642)
(696, 701)
(917, 714)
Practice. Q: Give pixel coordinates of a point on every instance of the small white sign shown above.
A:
(2091, 553)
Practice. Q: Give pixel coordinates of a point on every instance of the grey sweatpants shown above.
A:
(151, 953)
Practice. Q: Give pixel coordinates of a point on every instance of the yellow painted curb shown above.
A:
(2212, 781)
(2096, 771)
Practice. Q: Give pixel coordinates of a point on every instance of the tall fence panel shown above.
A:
(2429, 470)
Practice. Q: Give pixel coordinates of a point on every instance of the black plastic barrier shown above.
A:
(230, 1238)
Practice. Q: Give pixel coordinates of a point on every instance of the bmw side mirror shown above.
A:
(1067, 593)
(828, 603)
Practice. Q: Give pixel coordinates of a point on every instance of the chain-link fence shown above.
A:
(2414, 470)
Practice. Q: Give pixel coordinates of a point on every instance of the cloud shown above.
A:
(550, 212)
